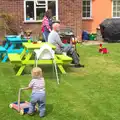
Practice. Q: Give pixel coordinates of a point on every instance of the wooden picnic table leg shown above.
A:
(28, 56)
(20, 70)
(11, 48)
(8, 50)
(23, 53)
(61, 69)
(22, 66)
(0, 55)
(6, 45)
(5, 58)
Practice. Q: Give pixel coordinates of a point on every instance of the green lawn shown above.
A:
(90, 93)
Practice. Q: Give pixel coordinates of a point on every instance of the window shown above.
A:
(116, 8)
(34, 9)
(86, 9)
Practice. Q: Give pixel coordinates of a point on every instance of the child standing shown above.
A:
(37, 85)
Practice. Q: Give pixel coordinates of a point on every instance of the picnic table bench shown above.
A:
(24, 58)
(12, 41)
(2, 51)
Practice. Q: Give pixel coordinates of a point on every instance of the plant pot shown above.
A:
(34, 42)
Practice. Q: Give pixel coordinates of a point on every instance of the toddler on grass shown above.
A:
(37, 85)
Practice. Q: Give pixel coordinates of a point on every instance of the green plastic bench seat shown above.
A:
(64, 58)
(14, 57)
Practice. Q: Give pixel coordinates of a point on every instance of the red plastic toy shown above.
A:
(103, 50)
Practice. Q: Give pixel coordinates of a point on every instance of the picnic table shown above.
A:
(13, 42)
(2, 51)
(24, 58)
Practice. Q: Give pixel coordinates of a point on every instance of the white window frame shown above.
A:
(86, 18)
(112, 9)
(46, 8)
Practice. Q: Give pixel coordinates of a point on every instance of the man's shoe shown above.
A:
(72, 62)
(82, 65)
(79, 65)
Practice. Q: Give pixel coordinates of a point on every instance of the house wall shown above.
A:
(69, 14)
(101, 9)
(16, 8)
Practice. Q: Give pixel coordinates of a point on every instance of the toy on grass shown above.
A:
(103, 50)
(21, 107)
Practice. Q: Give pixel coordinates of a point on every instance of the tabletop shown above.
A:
(2, 49)
(15, 39)
(37, 45)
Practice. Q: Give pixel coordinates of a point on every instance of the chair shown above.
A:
(46, 53)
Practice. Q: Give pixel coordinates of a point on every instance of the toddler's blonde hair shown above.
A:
(36, 72)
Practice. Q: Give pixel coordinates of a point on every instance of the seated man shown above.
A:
(54, 39)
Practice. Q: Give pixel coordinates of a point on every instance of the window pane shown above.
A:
(41, 2)
(118, 2)
(29, 10)
(114, 14)
(88, 14)
(118, 9)
(114, 9)
(40, 13)
(114, 2)
(84, 3)
(52, 7)
(118, 14)
(84, 15)
(88, 2)
(88, 8)
(84, 9)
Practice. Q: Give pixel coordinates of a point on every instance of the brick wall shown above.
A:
(69, 14)
(14, 8)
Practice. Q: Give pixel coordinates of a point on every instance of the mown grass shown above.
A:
(90, 93)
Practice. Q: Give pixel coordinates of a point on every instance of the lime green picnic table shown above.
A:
(25, 57)
(32, 46)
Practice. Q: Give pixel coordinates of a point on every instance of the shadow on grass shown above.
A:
(49, 109)
(48, 71)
